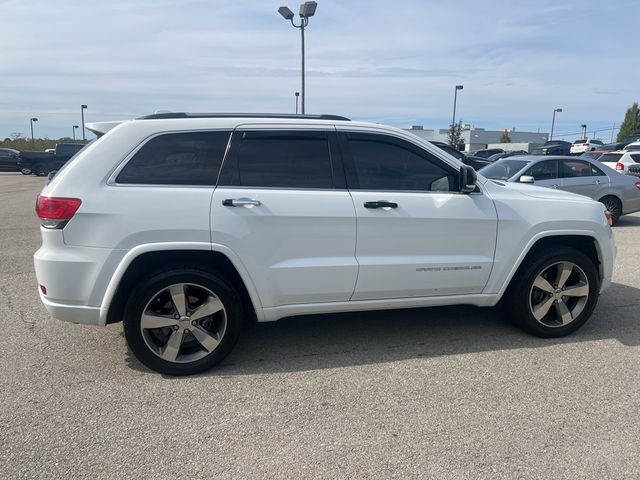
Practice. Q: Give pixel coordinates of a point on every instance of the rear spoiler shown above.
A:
(100, 128)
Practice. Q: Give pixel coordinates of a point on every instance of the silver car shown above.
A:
(619, 193)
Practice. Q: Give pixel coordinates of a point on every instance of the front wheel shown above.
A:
(25, 171)
(182, 321)
(555, 293)
(40, 170)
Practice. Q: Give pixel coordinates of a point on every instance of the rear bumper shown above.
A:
(72, 313)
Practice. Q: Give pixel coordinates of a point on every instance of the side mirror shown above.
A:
(526, 179)
(468, 179)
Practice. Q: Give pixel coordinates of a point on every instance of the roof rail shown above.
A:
(155, 116)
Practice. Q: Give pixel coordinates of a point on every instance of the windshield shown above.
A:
(503, 169)
(610, 157)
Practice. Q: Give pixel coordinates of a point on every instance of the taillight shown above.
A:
(619, 166)
(638, 185)
(56, 212)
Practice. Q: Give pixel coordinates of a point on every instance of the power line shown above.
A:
(580, 133)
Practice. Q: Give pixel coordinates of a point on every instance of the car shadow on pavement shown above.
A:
(628, 221)
(313, 342)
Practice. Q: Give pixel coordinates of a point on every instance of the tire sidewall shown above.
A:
(519, 308)
(149, 286)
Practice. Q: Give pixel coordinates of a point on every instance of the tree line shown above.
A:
(18, 141)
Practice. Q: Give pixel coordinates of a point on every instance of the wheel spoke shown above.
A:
(564, 271)
(209, 307)
(179, 298)
(563, 312)
(540, 310)
(580, 290)
(150, 320)
(172, 348)
(208, 341)
(541, 283)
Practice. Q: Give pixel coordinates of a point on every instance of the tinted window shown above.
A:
(610, 157)
(632, 148)
(635, 157)
(177, 159)
(281, 160)
(545, 170)
(384, 163)
(576, 168)
(578, 142)
(503, 169)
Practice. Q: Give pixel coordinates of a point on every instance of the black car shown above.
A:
(498, 156)
(476, 162)
(554, 147)
(8, 160)
(487, 152)
(41, 163)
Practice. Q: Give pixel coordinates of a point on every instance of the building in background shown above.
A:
(478, 138)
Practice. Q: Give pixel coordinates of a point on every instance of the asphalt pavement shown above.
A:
(443, 393)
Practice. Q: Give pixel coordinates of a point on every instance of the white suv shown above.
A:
(185, 226)
(584, 145)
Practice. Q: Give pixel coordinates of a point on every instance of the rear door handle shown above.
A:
(596, 182)
(241, 202)
(380, 204)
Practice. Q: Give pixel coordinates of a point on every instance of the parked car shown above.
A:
(594, 154)
(584, 145)
(619, 161)
(475, 162)
(41, 163)
(185, 226)
(632, 147)
(9, 160)
(554, 147)
(498, 156)
(612, 147)
(619, 193)
(487, 152)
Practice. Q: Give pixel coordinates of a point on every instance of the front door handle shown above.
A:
(380, 204)
(596, 182)
(241, 202)
(555, 185)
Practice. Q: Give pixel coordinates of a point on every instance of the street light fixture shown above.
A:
(553, 122)
(74, 133)
(31, 120)
(82, 108)
(455, 98)
(307, 10)
(297, 94)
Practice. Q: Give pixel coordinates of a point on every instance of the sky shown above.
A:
(382, 61)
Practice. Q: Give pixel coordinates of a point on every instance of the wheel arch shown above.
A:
(584, 243)
(138, 262)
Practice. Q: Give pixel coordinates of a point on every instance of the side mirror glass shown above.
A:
(526, 179)
(468, 179)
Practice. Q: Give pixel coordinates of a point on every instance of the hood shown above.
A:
(539, 192)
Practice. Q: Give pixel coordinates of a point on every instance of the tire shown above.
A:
(179, 346)
(614, 205)
(40, 170)
(25, 171)
(540, 284)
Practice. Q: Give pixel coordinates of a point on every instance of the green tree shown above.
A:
(504, 137)
(455, 136)
(631, 124)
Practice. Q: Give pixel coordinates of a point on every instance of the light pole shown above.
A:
(297, 94)
(307, 10)
(553, 122)
(82, 108)
(584, 130)
(74, 133)
(455, 98)
(31, 120)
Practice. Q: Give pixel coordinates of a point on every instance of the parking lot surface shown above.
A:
(431, 393)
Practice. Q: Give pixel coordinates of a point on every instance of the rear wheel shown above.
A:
(182, 321)
(25, 171)
(40, 170)
(614, 206)
(555, 293)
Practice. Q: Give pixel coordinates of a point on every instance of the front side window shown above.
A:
(191, 158)
(545, 170)
(379, 162)
(279, 159)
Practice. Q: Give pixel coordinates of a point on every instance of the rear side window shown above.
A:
(635, 157)
(192, 158)
(282, 159)
(578, 168)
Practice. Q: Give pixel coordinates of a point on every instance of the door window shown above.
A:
(545, 170)
(280, 159)
(380, 162)
(192, 158)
